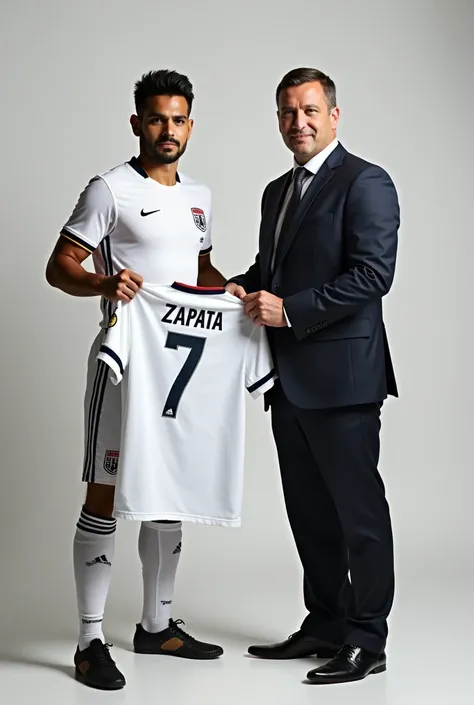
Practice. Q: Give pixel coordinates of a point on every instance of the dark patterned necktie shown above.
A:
(298, 180)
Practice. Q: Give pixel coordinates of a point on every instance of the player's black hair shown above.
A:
(162, 82)
(297, 77)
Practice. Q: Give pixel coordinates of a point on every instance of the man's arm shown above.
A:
(65, 271)
(373, 217)
(251, 281)
(208, 275)
(92, 219)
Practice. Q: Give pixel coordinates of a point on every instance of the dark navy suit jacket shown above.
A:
(334, 266)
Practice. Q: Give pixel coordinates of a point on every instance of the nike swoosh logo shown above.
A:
(143, 212)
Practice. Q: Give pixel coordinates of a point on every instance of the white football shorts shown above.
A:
(102, 421)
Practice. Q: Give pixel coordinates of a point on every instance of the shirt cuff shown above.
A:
(287, 319)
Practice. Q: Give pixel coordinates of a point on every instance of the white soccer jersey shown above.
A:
(129, 221)
(184, 357)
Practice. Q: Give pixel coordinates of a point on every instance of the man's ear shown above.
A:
(135, 124)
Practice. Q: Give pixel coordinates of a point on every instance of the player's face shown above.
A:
(164, 128)
(306, 123)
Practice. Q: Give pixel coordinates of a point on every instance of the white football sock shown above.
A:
(94, 546)
(159, 546)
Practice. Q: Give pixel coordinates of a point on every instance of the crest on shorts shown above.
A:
(199, 219)
(112, 320)
(111, 461)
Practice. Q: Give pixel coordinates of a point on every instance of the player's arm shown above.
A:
(208, 275)
(92, 219)
(65, 271)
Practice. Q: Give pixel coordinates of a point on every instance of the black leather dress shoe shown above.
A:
(297, 645)
(351, 664)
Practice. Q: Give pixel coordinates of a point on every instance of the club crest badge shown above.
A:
(199, 219)
(111, 461)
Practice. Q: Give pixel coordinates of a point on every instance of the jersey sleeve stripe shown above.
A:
(108, 351)
(205, 252)
(76, 240)
(107, 257)
(261, 382)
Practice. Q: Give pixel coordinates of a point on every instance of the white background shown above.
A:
(403, 73)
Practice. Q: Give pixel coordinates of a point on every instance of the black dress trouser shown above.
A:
(339, 516)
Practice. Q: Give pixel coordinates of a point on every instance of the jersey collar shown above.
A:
(135, 164)
(205, 290)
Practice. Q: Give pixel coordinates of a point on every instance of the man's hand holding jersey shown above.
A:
(264, 308)
(122, 286)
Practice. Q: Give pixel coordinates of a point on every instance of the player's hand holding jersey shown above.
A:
(122, 286)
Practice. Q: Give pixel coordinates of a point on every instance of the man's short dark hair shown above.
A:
(297, 77)
(162, 82)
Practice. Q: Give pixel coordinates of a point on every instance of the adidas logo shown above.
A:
(169, 412)
(177, 549)
(100, 559)
(166, 602)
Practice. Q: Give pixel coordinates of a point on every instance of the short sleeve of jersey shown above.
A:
(206, 245)
(93, 217)
(259, 369)
(115, 348)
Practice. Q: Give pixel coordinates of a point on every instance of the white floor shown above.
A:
(429, 662)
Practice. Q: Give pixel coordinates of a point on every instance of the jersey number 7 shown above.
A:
(196, 346)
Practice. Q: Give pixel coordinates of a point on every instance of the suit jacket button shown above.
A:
(275, 287)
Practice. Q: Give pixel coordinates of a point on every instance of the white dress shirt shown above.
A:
(312, 167)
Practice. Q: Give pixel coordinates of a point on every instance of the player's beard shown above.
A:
(160, 157)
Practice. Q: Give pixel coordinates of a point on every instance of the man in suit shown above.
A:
(327, 251)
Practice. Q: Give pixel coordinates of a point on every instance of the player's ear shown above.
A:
(135, 123)
(191, 125)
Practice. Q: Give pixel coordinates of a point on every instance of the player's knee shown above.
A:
(100, 499)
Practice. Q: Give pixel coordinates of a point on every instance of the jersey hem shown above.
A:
(170, 516)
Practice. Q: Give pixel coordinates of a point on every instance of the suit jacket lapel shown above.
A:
(319, 181)
(269, 223)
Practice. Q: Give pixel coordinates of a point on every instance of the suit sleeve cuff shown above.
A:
(299, 307)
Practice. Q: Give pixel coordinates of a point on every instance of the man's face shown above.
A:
(164, 128)
(306, 123)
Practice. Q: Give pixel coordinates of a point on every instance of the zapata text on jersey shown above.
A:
(192, 318)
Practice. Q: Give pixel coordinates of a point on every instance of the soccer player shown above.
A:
(140, 221)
